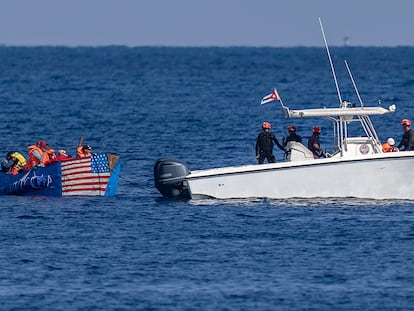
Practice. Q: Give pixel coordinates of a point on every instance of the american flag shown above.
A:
(85, 176)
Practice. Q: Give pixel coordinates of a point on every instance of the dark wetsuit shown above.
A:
(264, 147)
(314, 140)
(407, 141)
(291, 137)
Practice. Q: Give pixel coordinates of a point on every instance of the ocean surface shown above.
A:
(138, 251)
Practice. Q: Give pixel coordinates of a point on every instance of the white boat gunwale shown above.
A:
(247, 169)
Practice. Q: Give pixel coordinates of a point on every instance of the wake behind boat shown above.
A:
(357, 167)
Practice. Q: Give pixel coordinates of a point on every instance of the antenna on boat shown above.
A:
(365, 120)
(330, 62)
(354, 84)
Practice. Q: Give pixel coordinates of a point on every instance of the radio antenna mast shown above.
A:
(354, 84)
(330, 62)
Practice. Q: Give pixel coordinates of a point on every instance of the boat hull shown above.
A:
(94, 176)
(382, 176)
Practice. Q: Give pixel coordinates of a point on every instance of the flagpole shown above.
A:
(284, 108)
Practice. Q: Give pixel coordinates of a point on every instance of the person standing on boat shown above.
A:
(408, 137)
(314, 144)
(291, 137)
(264, 144)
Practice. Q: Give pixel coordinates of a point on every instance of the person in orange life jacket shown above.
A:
(38, 155)
(407, 140)
(13, 163)
(314, 144)
(50, 153)
(291, 137)
(62, 156)
(84, 151)
(264, 144)
(389, 146)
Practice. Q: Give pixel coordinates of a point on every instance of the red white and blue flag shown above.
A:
(85, 176)
(268, 98)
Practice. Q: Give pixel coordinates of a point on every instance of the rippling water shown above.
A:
(200, 105)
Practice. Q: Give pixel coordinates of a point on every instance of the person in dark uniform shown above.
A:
(264, 145)
(314, 144)
(291, 137)
(408, 137)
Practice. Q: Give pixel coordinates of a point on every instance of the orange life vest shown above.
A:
(81, 153)
(33, 160)
(388, 148)
(21, 163)
(14, 170)
(51, 154)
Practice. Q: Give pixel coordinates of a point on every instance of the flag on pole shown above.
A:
(268, 98)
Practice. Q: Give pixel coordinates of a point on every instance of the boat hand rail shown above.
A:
(331, 112)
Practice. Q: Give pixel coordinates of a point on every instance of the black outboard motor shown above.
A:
(169, 178)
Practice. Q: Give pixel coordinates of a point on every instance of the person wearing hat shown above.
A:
(291, 137)
(389, 146)
(84, 151)
(264, 144)
(62, 156)
(407, 140)
(314, 144)
(38, 155)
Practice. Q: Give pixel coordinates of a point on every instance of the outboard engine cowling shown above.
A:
(169, 175)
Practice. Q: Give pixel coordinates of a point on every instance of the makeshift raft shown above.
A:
(93, 176)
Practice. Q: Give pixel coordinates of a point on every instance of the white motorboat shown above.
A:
(357, 167)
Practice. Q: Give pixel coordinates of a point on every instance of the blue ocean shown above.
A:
(138, 251)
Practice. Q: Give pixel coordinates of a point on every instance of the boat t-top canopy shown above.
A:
(345, 110)
(341, 117)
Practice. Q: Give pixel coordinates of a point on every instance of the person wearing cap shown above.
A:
(314, 144)
(84, 151)
(407, 140)
(264, 144)
(389, 146)
(38, 155)
(62, 156)
(291, 137)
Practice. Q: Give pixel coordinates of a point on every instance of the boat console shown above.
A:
(298, 152)
(356, 146)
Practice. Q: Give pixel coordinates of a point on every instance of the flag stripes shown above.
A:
(272, 96)
(85, 176)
